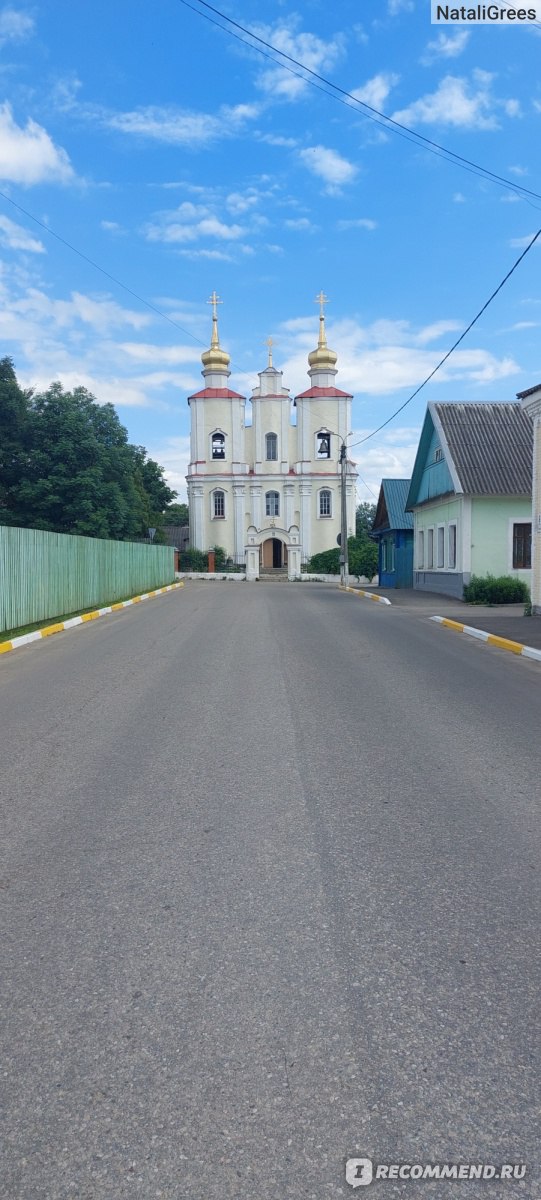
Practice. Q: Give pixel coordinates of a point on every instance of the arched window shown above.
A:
(272, 504)
(218, 503)
(325, 503)
(271, 447)
(218, 445)
(323, 444)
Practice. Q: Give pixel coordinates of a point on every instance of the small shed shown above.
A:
(393, 529)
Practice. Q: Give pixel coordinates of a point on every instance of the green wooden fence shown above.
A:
(50, 574)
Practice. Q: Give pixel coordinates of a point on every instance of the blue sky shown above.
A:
(180, 161)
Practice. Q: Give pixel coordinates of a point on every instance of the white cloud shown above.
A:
(302, 224)
(182, 231)
(318, 54)
(101, 314)
(521, 242)
(397, 6)
(375, 91)
(358, 223)
(180, 127)
(16, 238)
(29, 155)
(146, 352)
(466, 104)
(387, 356)
(447, 45)
(274, 139)
(520, 171)
(329, 166)
(459, 198)
(14, 25)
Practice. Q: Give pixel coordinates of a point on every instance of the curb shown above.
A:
(482, 636)
(366, 595)
(59, 626)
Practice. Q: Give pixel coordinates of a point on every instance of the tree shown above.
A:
(363, 558)
(66, 465)
(364, 519)
(176, 514)
(14, 406)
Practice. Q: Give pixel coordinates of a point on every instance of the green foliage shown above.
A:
(194, 560)
(176, 514)
(363, 558)
(491, 589)
(325, 563)
(365, 516)
(66, 466)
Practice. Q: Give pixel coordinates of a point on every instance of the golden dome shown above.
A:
(323, 357)
(215, 358)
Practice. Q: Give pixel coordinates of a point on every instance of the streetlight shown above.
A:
(343, 536)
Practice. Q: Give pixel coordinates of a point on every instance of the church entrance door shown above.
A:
(273, 554)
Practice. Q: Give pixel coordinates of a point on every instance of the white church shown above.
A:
(269, 492)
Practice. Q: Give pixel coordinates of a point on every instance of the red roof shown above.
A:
(216, 394)
(316, 393)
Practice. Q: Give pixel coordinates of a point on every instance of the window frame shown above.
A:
(218, 494)
(275, 504)
(271, 457)
(327, 493)
(420, 549)
(430, 548)
(220, 437)
(526, 546)
(320, 434)
(440, 547)
(452, 557)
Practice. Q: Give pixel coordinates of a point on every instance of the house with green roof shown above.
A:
(393, 529)
(471, 495)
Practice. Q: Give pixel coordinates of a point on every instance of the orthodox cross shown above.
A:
(269, 343)
(214, 300)
(322, 300)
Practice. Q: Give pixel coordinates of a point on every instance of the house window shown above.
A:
(430, 549)
(323, 445)
(383, 554)
(272, 504)
(218, 504)
(391, 554)
(218, 445)
(440, 560)
(271, 447)
(325, 503)
(421, 549)
(438, 454)
(522, 545)
(451, 543)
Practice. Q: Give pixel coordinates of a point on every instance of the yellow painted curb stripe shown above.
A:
(60, 626)
(482, 636)
(366, 595)
(505, 643)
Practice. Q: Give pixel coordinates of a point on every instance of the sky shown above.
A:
(179, 160)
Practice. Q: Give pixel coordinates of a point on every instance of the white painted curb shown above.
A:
(517, 648)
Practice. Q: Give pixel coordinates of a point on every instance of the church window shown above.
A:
(324, 444)
(325, 503)
(272, 504)
(218, 503)
(271, 447)
(218, 445)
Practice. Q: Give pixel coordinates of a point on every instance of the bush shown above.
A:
(194, 560)
(326, 563)
(489, 589)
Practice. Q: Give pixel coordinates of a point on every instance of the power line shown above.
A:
(349, 100)
(453, 347)
(90, 261)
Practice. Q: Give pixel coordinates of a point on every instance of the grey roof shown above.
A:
(529, 391)
(490, 445)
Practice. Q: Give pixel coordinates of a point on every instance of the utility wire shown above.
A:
(453, 347)
(349, 100)
(102, 270)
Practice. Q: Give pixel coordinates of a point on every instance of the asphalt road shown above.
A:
(270, 896)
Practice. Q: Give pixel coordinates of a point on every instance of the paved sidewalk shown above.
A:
(504, 620)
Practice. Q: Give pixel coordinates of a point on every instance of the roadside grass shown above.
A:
(7, 635)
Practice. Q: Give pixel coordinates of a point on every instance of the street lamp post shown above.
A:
(344, 564)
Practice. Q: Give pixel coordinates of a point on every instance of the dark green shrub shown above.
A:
(491, 589)
(194, 560)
